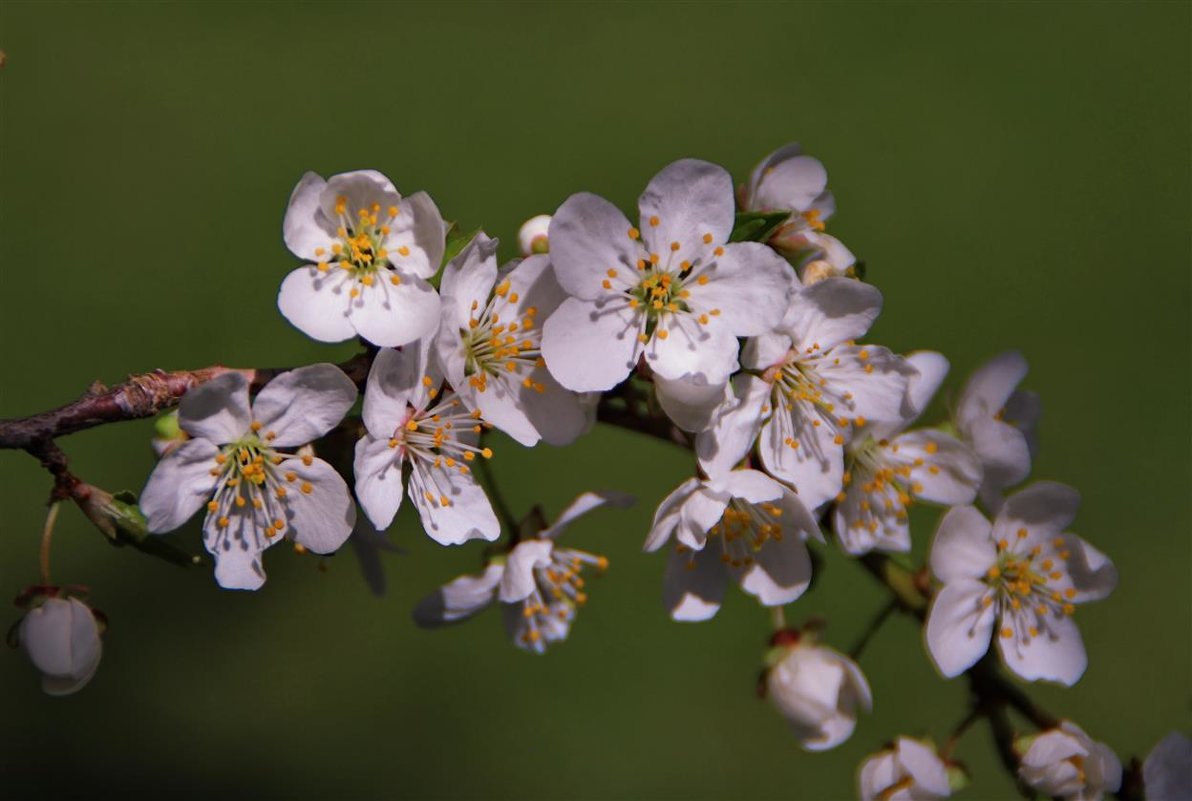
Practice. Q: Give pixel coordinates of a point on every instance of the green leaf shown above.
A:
(757, 226)
(457, 240)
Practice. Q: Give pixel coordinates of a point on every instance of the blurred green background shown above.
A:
(1014, 175)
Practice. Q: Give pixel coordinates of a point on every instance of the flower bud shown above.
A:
(909, 771)
(117, 516)
(532, 236)
(167, 433)
(61, 637)
(818, 691)
(1066, 763)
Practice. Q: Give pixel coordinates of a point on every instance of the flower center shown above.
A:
(1025, 581)
(250, 476)
(744, 528)
(502, 349)
(360, 249)
(431, 436)
(558, 591)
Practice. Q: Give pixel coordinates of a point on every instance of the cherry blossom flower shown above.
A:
(409, 421)
(789, 180)
(819, 691)
(674, 291)
(61, 637)
(539, 585)
(887, 468)
(998, 422)
(908, 771)
(742, 525)
(489, 345)
(1065, 763)
(236, 463)
(1167, 771)
(370, 252)
(1023, 574)
(808, 384)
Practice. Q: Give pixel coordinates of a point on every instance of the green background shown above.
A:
(1016, 176)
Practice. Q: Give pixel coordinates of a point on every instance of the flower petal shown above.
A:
(467, 513)
(682, 347)
(735, 426)
(959, 626)
(301, 405)
(815, 465)
(237, 551)
(875, 379)
(305, 228)
(791, 183)
(322, 514)
(942, 468)
(693, 586)
(217, 410)
(179, 485)
(61, 638)
(750, 285)
(589, 235)
(963, 547)
(396, 381)
(591, 347)
(1045, 508)
(1055, 654)
(924, 767)
(1167, 771)
(832, 311)
(360, 189)
(667, 516)
(690, 401)
(420, 229)
(585, 503)
(467, 283)
(316, 303)
(1004, 453)
(932, 369)
(701, 510)
(518, 581)
(780, 572)
(689, 202)
(389, 315)
(989, 387)
(1093, 575)
(459, 599)
(378, 480)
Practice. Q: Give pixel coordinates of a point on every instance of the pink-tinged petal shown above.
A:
(459, 599)
(378, 480)
(305, 228)
(301, 405)
(690, 202)
(217, 410)
(810, 457)
(667, 516)
(321, 512)
(316, 303)
(389, 315)
(467, 513)
(989, 387)
(780, 572)
(419, 228)
(1044, 509)
(942, 468)
(590, 348)
(932, 369)
(690, 402)
(963, 547)
(959, 626)
(585, 503)
(179, 485)
(749, 285)
(588, 236)
(396, 381)
(694, 583)
(1056, 653)
(1093, 575)
(468, 282)
(832, 311)
(518, 581)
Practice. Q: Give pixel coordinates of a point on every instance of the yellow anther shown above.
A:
(634, 233)
(707, 239)
(718, 251)
(255, 426)
(654, 221)
(674, 246)
(663, 333)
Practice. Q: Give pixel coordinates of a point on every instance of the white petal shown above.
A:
(316, 303)
(780, 573)
(390, 315)
(378, 480)
(61, 638)
(764, 167)
(1093, 575)
(1044, 508)
(792, 183)
(875, 378)
(467, 515)
(690, 402)
(501, 403)
(708, 352)
(946, 472)
(693, 586)
(420, 228)
(1004, 453)
(301, 405)
(237, 551)
(1056, 654)
(750, 284)
(924, 766)
(815, 467)
(963, 547)
(1105, 770)
(690, 200)
(667, 516)
(832, 311)
(589, 348)
(702, 510)
(932, 369)
(518, 581)
(748, 485)
(322, 518)
(875, 520)
(585, 503)
(768, 350)
(959, 626)
(360, 189)
(305, 228)
(989, 387)
(1167, 771)
(396, 381)
(66, 685)
(217, 410)
(735, 426)
(589, 235)
(459, 599)
(559, 416)
(878, 773)
(179, 485)
(468, 279)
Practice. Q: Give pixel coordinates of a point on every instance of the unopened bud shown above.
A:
(61, 636)
(909, 770)
(167, 434)
(819, 691)
(532, 236)
(117, 516)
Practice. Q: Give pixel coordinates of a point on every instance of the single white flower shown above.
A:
(1066, 763)
(742, 525)
(788, 180)
(819, 691)
(532, 237)
(1023, 574)
(909, 771)
(808, 384)
(255, 491)
(887, 468)
(370, 252)
(1167, 771)
(998, 421)
(675, 291)
(489, 345)
(61, 637)
(539, 584)
(408, 421)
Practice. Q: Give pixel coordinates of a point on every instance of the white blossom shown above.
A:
(61, 637)
(887, 468)
(789, 180)
(369, 253)
(254, 489)
(820, 692)
(1023, 574)
(1167, 771)
(1065, 763)
(908, 771)
(809, 384)
(408, 420)
(489, 345)
(538, 584)
(674, 291)
(743, 526)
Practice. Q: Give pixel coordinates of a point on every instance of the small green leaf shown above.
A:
(757, 226)
(457, 240)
